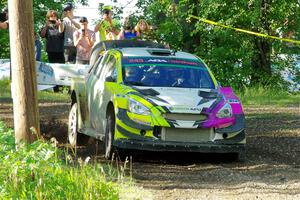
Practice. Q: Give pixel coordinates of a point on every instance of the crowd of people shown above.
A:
(69, 41)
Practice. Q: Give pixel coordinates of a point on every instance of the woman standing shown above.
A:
(53, 32)
(84, 40)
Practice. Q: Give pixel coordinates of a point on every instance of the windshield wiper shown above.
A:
(135, 83)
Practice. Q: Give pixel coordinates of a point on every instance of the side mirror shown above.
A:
(109, 79)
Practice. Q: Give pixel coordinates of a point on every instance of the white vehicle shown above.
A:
(49, 75)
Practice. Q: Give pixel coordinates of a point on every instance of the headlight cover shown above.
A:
(225, 111)
(137, 108)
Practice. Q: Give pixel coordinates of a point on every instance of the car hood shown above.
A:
(183, 100)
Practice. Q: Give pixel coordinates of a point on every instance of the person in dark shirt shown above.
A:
(53, 32)
(4, 19)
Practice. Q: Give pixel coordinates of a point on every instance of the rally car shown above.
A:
(139, 95)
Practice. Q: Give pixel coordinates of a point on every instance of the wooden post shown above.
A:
(24, 82)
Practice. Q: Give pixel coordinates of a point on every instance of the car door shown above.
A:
(90, 88)
(99, 101)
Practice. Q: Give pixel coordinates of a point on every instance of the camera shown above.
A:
(52, 21)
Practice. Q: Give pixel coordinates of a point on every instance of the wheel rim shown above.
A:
(72, 135)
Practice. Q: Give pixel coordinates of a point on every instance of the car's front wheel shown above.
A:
(109, 134)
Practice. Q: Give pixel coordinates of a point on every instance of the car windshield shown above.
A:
(166, 73)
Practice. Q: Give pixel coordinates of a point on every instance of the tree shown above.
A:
(26, 120)
(236, 58)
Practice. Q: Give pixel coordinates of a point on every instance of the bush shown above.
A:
(37, 171)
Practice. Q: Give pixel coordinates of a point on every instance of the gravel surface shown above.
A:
(271, 170)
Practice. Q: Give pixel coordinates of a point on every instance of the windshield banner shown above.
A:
(155, 60)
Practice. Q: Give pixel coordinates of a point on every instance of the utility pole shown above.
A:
(24, 83)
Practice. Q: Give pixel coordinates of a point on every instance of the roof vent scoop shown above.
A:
(160, 52)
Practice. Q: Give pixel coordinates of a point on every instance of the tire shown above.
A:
(56, 88)
(109, 135)
(74, 138)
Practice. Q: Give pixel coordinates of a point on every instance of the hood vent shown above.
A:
(208, 95)
(160, 52)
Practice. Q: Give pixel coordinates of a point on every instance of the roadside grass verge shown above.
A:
(43, 96)
(42, 171)
(268, 96)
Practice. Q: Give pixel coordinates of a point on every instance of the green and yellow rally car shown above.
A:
(140, 95)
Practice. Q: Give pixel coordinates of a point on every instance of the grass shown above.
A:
(268, 96)
(38, 171)
(43, 96)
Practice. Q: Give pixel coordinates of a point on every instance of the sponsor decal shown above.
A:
(151, 60)
(184, 109)
(233, 101)
(157, 60)
(46, 69)
(136, 60)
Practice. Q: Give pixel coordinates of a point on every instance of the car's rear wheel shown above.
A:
(75, 138)
(109, 134)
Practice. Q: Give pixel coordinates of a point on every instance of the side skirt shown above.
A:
(92, 133)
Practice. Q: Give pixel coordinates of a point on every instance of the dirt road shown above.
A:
(271, 171)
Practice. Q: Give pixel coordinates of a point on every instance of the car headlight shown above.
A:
(225, 111)
(137, 108)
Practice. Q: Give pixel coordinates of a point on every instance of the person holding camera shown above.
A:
(84, 40)
(53, 32)
(69, 27)
(106, 25)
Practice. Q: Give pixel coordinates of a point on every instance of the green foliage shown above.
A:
(37, 171)
(236, 59)
(4, 87)
(275, 96)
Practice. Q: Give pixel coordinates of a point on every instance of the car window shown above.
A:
(108, 68)
(95, 66)
(167, 72)
(102, 63)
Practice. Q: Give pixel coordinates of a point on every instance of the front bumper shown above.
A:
(159, 145)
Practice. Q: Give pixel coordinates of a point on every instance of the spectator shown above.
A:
(143, 28)
(4, 25)
(4, 19)
(106, 26)
(69, 27)
(53, 32)
(38, 47)
(128, 31)
(84, 40)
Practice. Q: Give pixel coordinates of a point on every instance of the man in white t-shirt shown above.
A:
(70, 26)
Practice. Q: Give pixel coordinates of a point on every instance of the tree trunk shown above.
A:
(24, 84)
(261, 61)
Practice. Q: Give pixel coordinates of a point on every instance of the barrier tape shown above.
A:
(244, 31)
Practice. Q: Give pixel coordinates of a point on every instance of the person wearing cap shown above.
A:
(106, 25)
(69, 27)
(84, 40)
